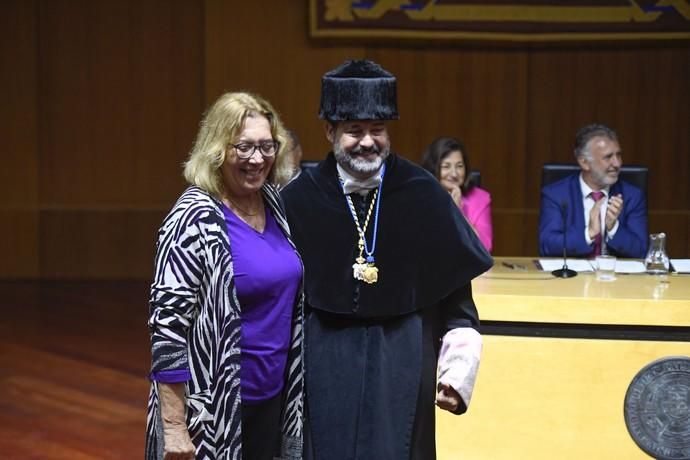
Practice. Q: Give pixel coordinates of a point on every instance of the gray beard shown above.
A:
(358, 165)
(604, 179)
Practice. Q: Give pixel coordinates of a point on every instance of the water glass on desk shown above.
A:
(606, 267)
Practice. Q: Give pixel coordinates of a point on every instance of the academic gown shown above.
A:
(371, 350)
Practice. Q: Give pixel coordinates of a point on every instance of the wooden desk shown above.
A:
(558, 357)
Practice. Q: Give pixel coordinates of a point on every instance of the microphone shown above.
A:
(564, 272)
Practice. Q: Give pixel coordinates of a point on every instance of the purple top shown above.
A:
(172, 376)
(267, 275)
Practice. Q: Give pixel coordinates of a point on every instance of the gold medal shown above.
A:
(370, 274)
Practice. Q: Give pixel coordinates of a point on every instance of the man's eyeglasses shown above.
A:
(246, 150)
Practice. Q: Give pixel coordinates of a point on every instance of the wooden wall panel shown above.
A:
(19, 145)
(676, 225)
(98, 243)
(121, 94)
(19, 243)
(515, 232)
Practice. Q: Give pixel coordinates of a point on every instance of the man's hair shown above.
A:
(438, 150)
(589, 132)
(221, 124)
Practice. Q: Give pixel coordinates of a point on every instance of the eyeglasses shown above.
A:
(245, 150)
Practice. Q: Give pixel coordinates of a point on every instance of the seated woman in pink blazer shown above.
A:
(446, 158)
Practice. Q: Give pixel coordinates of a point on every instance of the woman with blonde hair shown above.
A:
(226, 300)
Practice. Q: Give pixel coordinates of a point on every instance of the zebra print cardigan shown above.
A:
(195, 323)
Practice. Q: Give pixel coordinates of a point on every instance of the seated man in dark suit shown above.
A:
(603, 214)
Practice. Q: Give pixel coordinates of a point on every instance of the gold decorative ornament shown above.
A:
(360, 269)
(371, 274)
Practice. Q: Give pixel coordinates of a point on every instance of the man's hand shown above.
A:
(613, 211)
(447, 398)
(594, 227)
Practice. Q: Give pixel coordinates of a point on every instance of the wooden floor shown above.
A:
(73, 363)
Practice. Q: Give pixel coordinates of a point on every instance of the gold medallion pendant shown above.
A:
(371, 274)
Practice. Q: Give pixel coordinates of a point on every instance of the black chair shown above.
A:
(632, 174)
(476, 178)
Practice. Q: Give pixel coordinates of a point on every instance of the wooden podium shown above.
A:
(558, 357)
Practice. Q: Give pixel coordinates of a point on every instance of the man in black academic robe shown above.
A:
(388, 263)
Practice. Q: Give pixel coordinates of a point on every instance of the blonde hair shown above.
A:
(222, 123)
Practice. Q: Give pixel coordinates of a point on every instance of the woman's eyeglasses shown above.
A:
(246, 150)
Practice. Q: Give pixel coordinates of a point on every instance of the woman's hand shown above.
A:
(178, 444)
(456, 195)
(176, 439)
